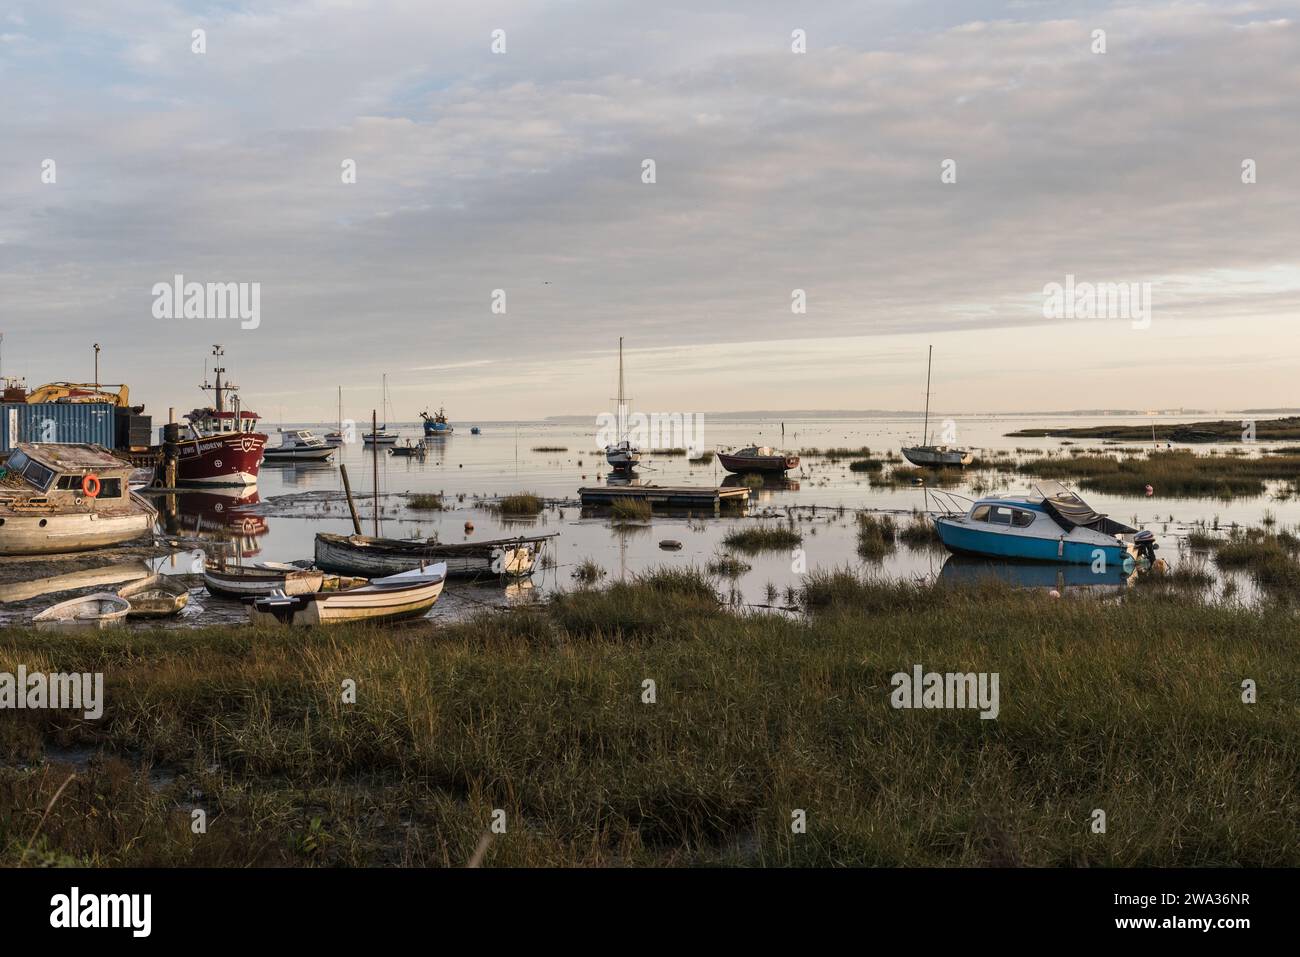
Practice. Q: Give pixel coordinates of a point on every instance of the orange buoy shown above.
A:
(90, 485)
(469, 527)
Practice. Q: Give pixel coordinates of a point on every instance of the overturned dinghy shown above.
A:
(89, 611)
(1051, 524)
(362, 555)
(408, 595)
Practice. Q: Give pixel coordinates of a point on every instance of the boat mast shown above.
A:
(622, 421)
(925, 429)
(340, 410)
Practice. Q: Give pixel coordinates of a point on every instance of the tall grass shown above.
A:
(520, 503)
(1133, 706)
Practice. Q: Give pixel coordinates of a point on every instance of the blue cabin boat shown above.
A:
(1052, 524)
(436, 424)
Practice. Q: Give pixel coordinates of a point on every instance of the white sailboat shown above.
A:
(934, 455)
(337, 438)
(622, 456)
(381, 435)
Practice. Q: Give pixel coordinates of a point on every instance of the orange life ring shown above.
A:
(90, 485)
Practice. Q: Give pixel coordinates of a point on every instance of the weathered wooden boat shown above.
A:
(68, 498)
(262, 578)
(299, 445)
(1051, 524)
(363, 555)
(409, 594)
(934, 456)
(95, 611)
(158, 596)
(759, 459)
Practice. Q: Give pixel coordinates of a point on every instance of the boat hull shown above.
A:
(229, 459)
(257, 581)
(298, 455)
(373, 557)
(938, 458)
(762, 464)
(53, 533)
(100, 610)
(962, 539)
(361, 604)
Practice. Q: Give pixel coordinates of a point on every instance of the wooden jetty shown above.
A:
(666, 496)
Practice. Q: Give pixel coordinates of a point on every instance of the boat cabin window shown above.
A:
(108, 487)
(1002, 515)
(37, 474)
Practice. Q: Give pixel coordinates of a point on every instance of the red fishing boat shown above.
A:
(224, 446)
(757, 459)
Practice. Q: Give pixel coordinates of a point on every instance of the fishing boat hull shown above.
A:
(371, 557)
(933, 457)
(54, 533)
(229, 459)
(100, 610)
(383, 600)
(761, 464)
(251, 581)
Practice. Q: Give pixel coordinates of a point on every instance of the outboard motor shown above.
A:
(1145, 544)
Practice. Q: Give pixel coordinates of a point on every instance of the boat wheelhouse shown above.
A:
(68, 498)
(1050, 524)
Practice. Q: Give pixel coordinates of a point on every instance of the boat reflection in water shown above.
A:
(218, 515)
(968, 570)
(770, 483)
(299, 474)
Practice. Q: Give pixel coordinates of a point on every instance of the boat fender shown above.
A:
(1060, 547)
(90, 485)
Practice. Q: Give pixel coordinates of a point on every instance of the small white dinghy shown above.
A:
(409, 594)
(91, 611)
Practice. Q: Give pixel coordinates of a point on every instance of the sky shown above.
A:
(922, 172)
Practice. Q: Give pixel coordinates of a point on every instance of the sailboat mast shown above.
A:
(340, 410)
(622, 422)
(925, 429)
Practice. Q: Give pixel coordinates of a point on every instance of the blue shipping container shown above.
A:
(65, 423)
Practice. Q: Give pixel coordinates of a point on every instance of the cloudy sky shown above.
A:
(774, 171)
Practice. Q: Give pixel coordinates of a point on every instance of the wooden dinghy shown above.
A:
(263, 578)
(155, 597)
(363, 555)
(407, 595)
(94, 611)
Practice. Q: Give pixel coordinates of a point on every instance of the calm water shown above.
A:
(279, 519)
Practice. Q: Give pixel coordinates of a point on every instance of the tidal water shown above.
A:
(278, 520)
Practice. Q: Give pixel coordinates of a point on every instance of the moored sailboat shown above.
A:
(622, 455)
(934, 456)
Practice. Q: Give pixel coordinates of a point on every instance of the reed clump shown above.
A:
(877, 535)
(631, 510)
(762, 538)
(425, 502)
(520, 503)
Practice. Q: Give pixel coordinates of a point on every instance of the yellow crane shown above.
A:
(118, 395)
